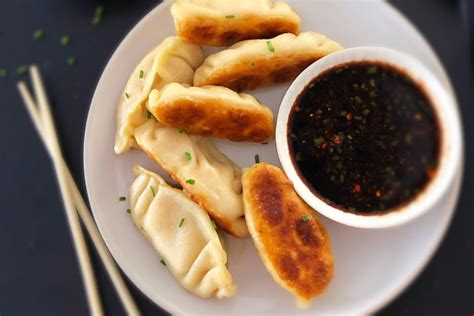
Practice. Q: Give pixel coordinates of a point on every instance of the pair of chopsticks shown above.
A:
(40, 114)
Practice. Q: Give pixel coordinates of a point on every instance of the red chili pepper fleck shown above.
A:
(356, 188)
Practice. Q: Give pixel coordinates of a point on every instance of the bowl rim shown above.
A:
(445, 107)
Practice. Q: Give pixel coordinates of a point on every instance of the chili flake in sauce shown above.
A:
(364, 137)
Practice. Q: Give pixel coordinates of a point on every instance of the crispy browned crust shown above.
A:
(236, 228)
(216, 118)
(216, 32)
(251, 74)
(296, 251)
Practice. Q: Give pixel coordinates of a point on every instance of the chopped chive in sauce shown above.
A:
(122, 198)
(187, 155)
(270, 46)
(65, 40)
(257, 158)
(129, 211)
(148, 114)
(21, 70)
(163, 262)
(142, 74)
(181, 130)
(214, 224)
(181, 222)
(127, 95)
(152, 191)
(231, 16)
(38, 34)
(71, 61)
(191, 181)
(97, 18)
(372, 69)
(3, 72)
(305, 218)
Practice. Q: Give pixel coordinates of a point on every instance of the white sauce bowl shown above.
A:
(444, 106)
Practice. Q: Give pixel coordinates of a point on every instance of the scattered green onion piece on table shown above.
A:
(21, 70)
(99, 11)
(187, 155)
(128, 211)
(71, 61)
(181, 222)
(148, 114)
(65, 40)
(142, 74)
(270, 46)
(122, 198)
(163, 262)
(127, 95)
(152, 191)
(230, 16)
(191, 181)
(38, 34)
(214, 224)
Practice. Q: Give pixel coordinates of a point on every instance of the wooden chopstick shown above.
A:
(39, 121)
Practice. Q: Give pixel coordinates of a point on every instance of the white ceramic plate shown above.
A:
(371, 267)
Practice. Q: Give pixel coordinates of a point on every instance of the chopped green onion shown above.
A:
(21, 70)
(270, 46)
(187, 155)
(3, 72)
(163, 262)
(128, 211)
(152, 191)
(319, 141)
(127, 95)
(253, 64)
(372, 69)
(181, 131)
(65, 40)
(122, 198)
(181, 222)
(305, 218)
(38, 34)
(148, 114)
(71, 61)
(142, 74)
(230, 16)
(191, 181)
(213, 224)
(98, 15)
(257, 158)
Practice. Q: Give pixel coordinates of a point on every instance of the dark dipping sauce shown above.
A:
(364, 137)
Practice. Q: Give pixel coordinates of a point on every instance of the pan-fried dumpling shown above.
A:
(221, 23)
(182, 233)
(292, 243)
(210, 178)
(212, 111)
(174, 60)
(254, 63)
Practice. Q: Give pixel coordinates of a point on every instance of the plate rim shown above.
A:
(369, 308)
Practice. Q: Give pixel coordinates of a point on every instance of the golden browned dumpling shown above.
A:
(212, 111)
(222, 23)
(292, 243)
(255, 63)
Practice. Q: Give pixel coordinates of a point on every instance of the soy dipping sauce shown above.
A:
(365, 137)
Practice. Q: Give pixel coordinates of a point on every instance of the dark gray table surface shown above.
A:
(38, 269)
